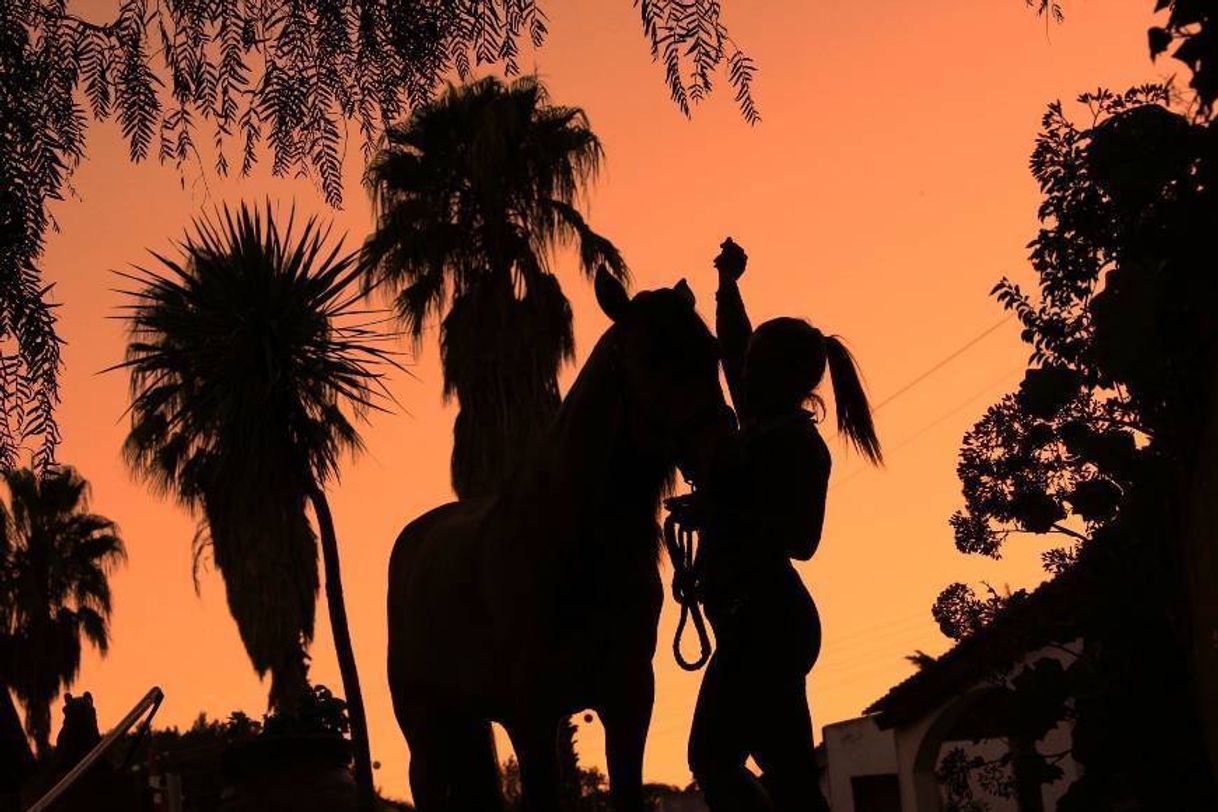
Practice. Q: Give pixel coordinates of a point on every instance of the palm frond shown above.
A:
(473, 195)
(55, 562)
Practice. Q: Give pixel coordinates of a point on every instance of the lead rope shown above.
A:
(681, 541)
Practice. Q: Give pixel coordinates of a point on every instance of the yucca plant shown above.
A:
(473, 194)
(250, 361)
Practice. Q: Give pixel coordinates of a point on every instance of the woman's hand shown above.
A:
(731, 260)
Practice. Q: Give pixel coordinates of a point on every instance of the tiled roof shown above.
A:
(1049, 614)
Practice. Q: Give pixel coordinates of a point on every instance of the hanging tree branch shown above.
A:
(278, 77)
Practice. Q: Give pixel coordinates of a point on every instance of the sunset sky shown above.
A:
(882, 196)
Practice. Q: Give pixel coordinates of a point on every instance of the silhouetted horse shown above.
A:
(543, 601)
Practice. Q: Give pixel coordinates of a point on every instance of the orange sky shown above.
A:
(882, 196)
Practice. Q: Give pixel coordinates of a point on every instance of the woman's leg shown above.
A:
(783, 745)
(718, 741)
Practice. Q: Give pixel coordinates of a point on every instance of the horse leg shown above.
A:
(428, 778)
(452, 764)
(477, 785)
(627, 716)
(535, 739)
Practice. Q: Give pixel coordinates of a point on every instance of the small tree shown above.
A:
(55, 564)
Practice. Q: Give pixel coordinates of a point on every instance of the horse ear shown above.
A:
(611, 295)
(687, 293)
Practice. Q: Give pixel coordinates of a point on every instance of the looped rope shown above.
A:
(681, 541)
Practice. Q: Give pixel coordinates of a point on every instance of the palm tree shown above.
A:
(473, 194)
(55, 562)
(249, 361)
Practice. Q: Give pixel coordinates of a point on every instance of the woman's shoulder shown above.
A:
(797, 432)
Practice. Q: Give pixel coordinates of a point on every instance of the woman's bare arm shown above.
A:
(731, 319)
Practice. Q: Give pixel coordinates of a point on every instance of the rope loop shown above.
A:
(680, 538)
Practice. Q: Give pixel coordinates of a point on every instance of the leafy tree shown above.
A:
(1099, 444)
(1189, 26)
(249, 360)
(473, 192)
(228, 78)
(203, 754)
(55, 563)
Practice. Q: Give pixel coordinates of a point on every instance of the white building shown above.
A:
(890, 759)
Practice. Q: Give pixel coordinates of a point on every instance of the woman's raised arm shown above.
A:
(731, 320)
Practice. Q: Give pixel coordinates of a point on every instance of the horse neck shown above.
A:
(590, 460)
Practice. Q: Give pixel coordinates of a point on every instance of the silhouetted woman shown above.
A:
(753, 700)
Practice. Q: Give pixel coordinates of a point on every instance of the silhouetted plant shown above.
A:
(1099, 443)
(319, 712)
(961, 613)
(239, 75)
(1066, 445)
(55, 564)
(474, 192)
(1189, 26)
(249, 360)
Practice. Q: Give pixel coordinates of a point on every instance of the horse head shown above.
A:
(669, 374)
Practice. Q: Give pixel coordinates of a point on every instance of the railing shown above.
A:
(149, 704)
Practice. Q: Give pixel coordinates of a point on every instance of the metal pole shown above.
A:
(151, 700)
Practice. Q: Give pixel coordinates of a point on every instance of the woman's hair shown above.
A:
(785, 364)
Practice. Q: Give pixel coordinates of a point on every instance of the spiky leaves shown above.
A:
(249, 361)
(55, 562)
(473, 193)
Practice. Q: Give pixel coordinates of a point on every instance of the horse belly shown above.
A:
(600, 635)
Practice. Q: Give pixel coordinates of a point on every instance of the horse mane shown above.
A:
(585, 447)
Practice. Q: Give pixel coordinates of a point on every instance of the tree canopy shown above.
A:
(232, 79)
(1100, 443)
(474, 192)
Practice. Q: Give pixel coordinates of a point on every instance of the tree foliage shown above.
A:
(1189, 27)
(224, 81)
(250, 360)
(473, 193)
(55, 563)
(1058, 455)
(1099, 443)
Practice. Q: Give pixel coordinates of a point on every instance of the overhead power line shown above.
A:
(968, 345)
(1010, 374)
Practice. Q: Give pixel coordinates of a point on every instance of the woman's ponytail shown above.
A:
(853, 410)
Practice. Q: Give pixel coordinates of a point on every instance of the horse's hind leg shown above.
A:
(428, 783)
(453, 766)
(476, 786)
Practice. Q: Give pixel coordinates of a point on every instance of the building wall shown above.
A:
(920, 747)
(856, 747)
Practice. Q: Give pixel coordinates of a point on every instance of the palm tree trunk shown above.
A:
(344, 651)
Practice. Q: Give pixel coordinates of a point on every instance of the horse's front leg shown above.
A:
(626, 715)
